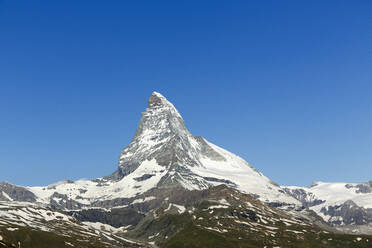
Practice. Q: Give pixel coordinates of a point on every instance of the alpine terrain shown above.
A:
(173, 189)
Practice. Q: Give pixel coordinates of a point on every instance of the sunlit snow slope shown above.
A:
(337, 203)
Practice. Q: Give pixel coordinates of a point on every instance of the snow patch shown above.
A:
(149, 198)
(7, 196)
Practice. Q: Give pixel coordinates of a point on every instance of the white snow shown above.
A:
(237, 170)
(141, 200)
(271, 227)
(216, 229)
(12, 229)
(180, 209)
(242, 222)
(218, 206)
(335, 194)
(92, 191)
(102, 227)
(7, 196)
(224, 202)
(33, 215)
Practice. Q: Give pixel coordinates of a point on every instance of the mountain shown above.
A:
(216, 217)
(25, 224)
(346, 206)
(163, 154)
(174, 189)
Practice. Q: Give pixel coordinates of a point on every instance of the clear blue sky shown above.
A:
(287, 85)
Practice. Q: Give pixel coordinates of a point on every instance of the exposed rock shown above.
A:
(16, 193)
(363, 188)
(61, 201)
(348, 213)
(144, 177)
(116, 217)
(307, 199)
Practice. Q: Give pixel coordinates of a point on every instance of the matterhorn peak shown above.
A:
(163, 154)
(157, 100)
(161, 134)
(160, 119)
(164, 151)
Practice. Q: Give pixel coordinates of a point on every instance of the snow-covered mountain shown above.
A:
(164, 161)
(163, 154)
(25, 224)
(218, 215)
(339, 204)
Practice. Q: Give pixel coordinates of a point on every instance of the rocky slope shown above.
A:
(25, 224)
(216, 217)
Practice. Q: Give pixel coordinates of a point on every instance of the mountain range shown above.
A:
(173, 189)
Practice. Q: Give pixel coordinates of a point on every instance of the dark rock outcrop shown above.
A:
(16, 193)
(348, 213)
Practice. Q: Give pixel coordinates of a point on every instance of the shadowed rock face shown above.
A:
(363, 188)
(348, 213)
(116, 217)
(306, 198)
(161, 135)
(61, 201)
(15, 193)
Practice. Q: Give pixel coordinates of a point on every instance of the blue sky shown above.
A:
(287, 85)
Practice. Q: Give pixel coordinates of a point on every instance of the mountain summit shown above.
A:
(186, 160)
(163, 155)
(160, 131)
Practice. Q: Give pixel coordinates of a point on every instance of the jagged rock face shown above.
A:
(307, 199)
(62, 201)
(163, 136)
(347, 213)
(116, 217)
(363, 188)
(10, 192)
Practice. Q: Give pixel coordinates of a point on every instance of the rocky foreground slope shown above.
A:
(216, 217)
(173, 189)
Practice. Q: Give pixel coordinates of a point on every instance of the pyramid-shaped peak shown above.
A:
(157, 94)
(157, 100)
(159, 103)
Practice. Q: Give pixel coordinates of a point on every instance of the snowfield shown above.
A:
(334, 194)
(87, 191)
